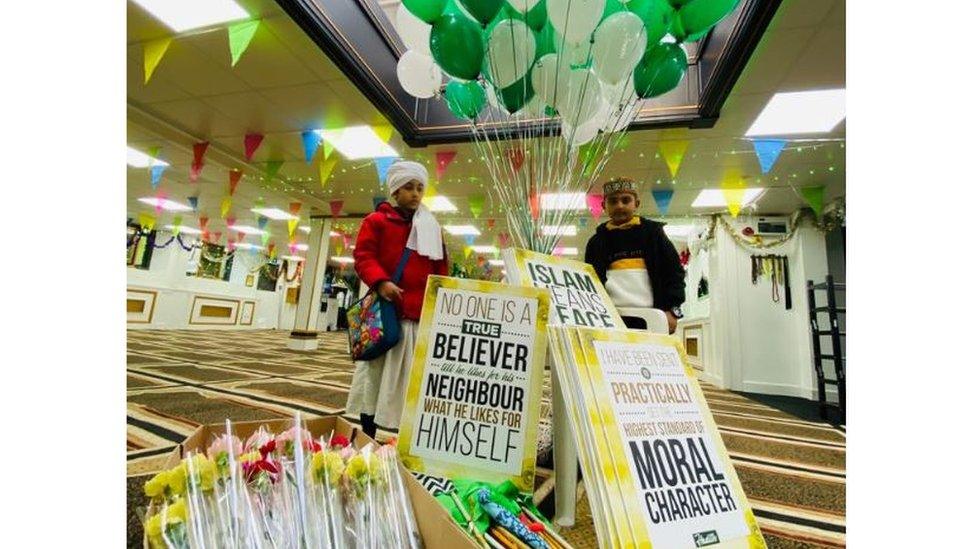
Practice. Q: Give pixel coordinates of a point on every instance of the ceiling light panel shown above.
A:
(799, 113)
(184, 15)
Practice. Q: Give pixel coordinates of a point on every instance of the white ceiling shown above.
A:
(285, 84)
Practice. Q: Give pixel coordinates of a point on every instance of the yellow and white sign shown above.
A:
(661, 473)
(578, 298)
(472, 402)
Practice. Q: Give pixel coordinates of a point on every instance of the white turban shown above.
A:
(404, 171)
(425, 233)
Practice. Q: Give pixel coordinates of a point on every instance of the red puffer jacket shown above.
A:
(382, 239)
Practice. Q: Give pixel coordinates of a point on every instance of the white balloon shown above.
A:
(523, 5)
(413, 31)
(511, 49)
(581, 99)
(618, 45)
(418, 74)
(579, 135)
(535, 108)
(575, 19)
(623, 106)
(545, 78)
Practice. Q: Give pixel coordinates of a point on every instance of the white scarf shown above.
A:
(425, 234)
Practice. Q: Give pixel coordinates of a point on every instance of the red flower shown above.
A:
(339, 440)
(268, 448)
(254, 469)
(312, 446)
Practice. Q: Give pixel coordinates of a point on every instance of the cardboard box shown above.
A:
(436, 526)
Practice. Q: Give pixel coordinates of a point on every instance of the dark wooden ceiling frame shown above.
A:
(361, 41)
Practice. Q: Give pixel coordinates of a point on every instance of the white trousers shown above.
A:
(379, 385)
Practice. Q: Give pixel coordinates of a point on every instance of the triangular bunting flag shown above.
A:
(503, 239)
(225, 206)
(325, 169)
(152, 54)
(377, 200)
(673, 152)
(516, 157)
(292, 225)
(295, 207)
(177, 223)
(663, 200)
(203, 223)
(467, 252)
(469, 240)
(199, 150)
(491, 224)
(384, 132)
(156, 175)
(154, 152)
(814, 197)
(265, 237)
(251, 143)
(476, 203)
(231, 221)
(234, 177)
(147, 222)
(595, 203)
(327, 149)
(310, 141)
(215, 237)
(733, 200)
(262, 222)
(767, 151)
(271, 168)
(583, 222)
(444, 159)
(239, 36)
(193, 200)
(336, 207)
(271, 249)
(383, 164)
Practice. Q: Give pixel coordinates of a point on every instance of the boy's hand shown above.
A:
(390, 291)
(672, 321)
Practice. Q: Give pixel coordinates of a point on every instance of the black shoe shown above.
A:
(369, 426)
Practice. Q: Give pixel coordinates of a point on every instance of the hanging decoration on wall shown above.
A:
(310, 142)
(199, 150)
(271, 168)
(251, 143)
(476, 203)
(194, 201)
(444, 159)
(383, 164)
(239, 37)
(335, 206)
(147, 222)
(152, 53)
(768, 151)
(326, 165)
(234, 177)
(595, 203)
(156, 174)
(673, 153)
(225, 205)
(777, 269)
(663, 200)
(814, 196)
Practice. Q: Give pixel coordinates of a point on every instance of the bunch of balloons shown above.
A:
(588, 62)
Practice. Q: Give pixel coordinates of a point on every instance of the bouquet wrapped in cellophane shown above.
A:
(282, 491)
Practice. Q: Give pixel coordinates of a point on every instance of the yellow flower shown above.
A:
(204, 471)
(362, 468)
(356, 467)
(155, 487)
(176, 512)
(154, 531)
(327, 465)
(176, 480)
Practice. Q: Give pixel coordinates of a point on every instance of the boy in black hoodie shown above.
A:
(634, 258)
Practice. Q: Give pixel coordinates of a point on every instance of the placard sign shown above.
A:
(471, 407)
(679, 482)
(578, 298)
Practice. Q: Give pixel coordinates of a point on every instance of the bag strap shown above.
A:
(402, 265)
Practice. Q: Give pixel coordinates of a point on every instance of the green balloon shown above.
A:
(681, 35)
(660, 70)
(517, 95)
(611, 7)
(698, 16)
(678, 3)
(545, 41)
(482, 10)
(457, 46)
(537, 16)
(656, 15)
(465, 99)
(426, 10)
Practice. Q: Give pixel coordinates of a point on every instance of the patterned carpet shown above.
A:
(792, 470)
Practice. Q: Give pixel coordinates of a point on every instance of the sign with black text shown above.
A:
(471, 408)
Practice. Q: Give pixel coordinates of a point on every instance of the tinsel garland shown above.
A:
(829, 221)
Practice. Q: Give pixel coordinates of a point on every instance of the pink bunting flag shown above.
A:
(203, 223)
(503, 240)
(516, 157)
(231, 221)
(444, 159)
(595, 203)
(336, 207)
(251, 143)
(235, 178)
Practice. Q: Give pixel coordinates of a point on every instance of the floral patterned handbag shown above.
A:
(373, 324)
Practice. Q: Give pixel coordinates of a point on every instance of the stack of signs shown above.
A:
(472, 403)
(656, 470)
(578, 297)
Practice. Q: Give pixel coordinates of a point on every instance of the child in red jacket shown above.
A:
(379, 385)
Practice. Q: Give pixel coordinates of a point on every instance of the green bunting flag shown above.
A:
(476, 204)
(271, 168)
(325, 169)
(239, 35)
(814, 196)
